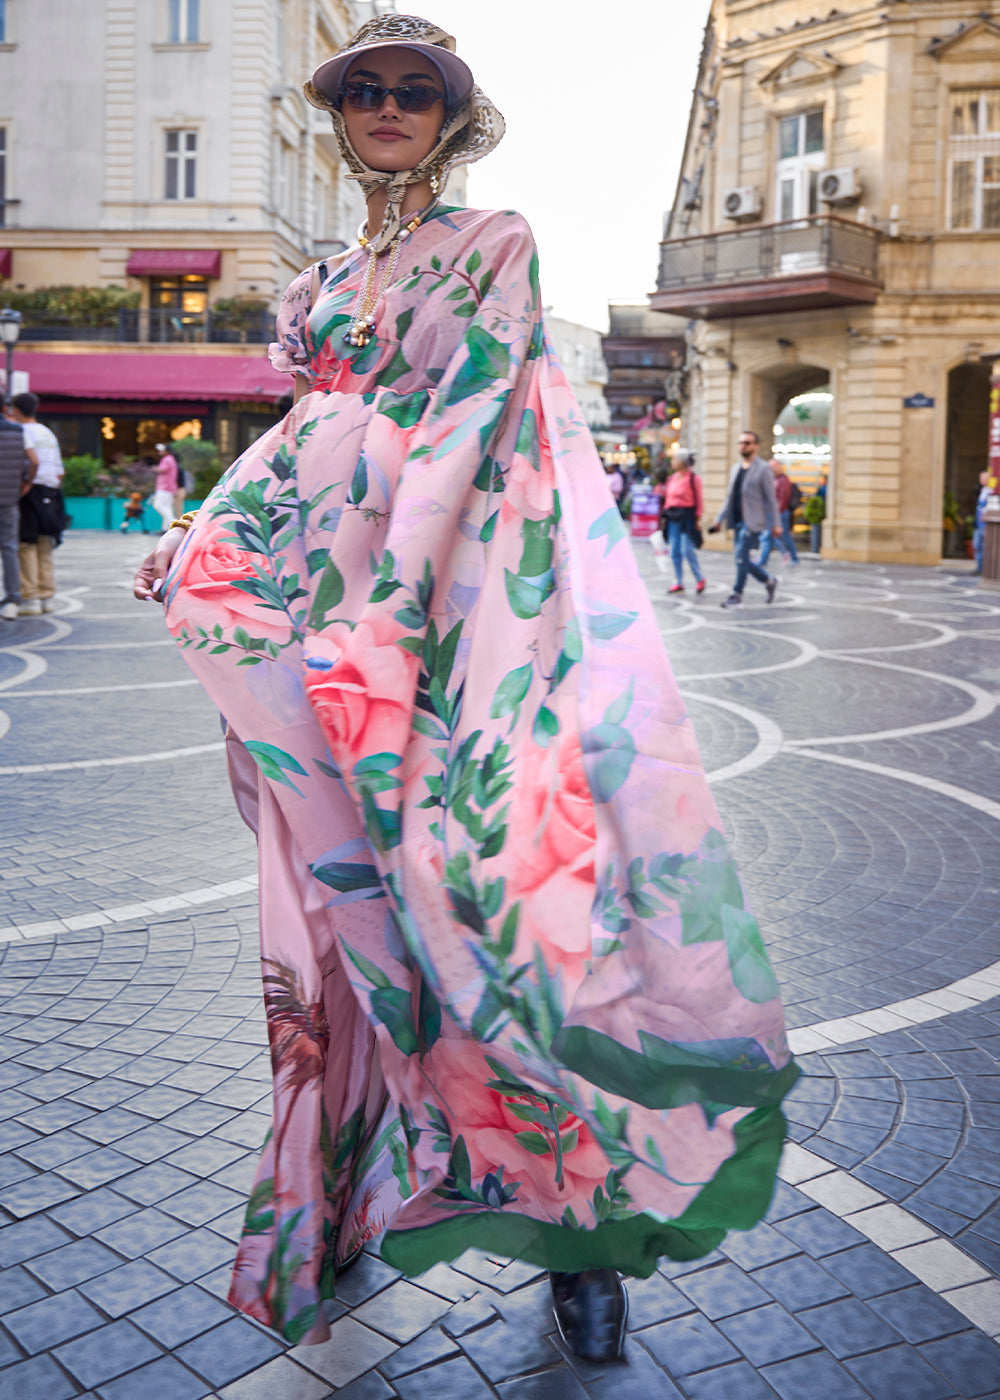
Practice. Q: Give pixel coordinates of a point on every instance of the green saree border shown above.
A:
(654, 1079)
(736, 1198)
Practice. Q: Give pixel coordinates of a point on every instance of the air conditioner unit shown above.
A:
(742, 203)
(839, 186)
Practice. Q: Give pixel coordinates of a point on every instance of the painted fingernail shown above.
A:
(157, 584)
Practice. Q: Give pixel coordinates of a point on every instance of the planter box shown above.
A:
(108, 512)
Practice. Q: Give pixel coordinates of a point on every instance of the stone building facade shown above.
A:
(836, 229)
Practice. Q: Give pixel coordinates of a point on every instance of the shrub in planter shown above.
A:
(71, 306)
(200, 457)
(80, 475)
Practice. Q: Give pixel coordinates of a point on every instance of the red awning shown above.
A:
(174, 262)
(6, 262)
(153, 377)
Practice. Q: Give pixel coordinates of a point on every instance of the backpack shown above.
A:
(795, 497)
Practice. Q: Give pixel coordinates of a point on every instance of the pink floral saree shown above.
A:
(514, 993)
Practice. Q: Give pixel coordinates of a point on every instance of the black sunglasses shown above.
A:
(410, 97)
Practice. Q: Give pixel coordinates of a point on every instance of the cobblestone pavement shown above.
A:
(851, 734)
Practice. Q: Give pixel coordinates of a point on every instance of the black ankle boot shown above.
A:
(591, 1310)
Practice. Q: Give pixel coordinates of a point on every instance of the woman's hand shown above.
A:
(148, 585)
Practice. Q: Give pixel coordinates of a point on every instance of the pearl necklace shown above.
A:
(362, 324)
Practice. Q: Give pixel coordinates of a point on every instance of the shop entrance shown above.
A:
(966, 446)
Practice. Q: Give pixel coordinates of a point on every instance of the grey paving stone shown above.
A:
(152, 1184)
(688, 1344)
(105, 1353)
(451, 1380)
(43, 1325)
(120, 1290)
(550, 1385)
(737, 1381)
(201, 1202)
(918, 1314)
(30, 1197)
(465, 1317)
(38, 1379)
(165, 1379)
(193, 1254)
(799, 1283)
(370, 1387)
(92, 1211)
(402, 1311)
(364, 1279)
(767, 1334)
(229, 1351)
(502, 1351)
(848, 1328)
(721, 1291)
(754, 1248)
(970, 1362)
(18, 1289)
(140, 1232)
(815, 1375)
(432, 1346)
(899, 1371)
(73, 1264)
(180, 1315)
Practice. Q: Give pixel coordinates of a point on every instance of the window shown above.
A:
(181, 163)
(177, 307)
(974, 175)
(800, 159)
(3, 21)
(3, 176)
(182, 21)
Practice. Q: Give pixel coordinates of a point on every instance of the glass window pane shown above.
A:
(787, 199)
(174, 22)
(192, 19)
(814, 192)
(963, 114)
(991, 106)
(991, 208)
(172, 140)
(189, 179)
(788, 137)
(814, 132)
(170, 182)
(991, 170)
(3, 21)
(190, 140)
(962, 182)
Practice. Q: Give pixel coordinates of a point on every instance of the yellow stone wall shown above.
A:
(883, 75)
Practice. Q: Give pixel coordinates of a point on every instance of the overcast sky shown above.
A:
(596, 95)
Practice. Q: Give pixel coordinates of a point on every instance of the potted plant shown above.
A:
(814, 513)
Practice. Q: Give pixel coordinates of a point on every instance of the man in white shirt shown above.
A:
(41, 509)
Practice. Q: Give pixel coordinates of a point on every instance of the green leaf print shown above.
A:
(396, 368)
(347, 877)
(527, 439)
(618, 709)
(300, 1324)
(467, 309)
(525, 598)
(394, 1008)
(545, 728)
(611, 525)
(404, 409)
(748, 960)
(609, 750)
(534, 1142)
(604, 627)
(359, 482)
(403, 322)
(275, 763)
(488, 360)
(260, 1209)
(366, 967)
(474, 262)
(329, 593)
(511, 691)
(429, 1018)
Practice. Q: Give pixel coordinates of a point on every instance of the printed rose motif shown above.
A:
(207, 572)
(550, 847)
(361, 685)
(490, 1127)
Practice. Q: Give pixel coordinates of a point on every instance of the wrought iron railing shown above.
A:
(760, 252)
(162, 326)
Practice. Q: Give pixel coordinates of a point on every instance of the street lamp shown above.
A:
(10, 329)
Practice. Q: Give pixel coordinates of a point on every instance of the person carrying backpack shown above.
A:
(789, 499)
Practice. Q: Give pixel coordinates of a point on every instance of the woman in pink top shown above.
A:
(682, 509)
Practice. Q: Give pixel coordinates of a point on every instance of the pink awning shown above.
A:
(174, 262)
(153, 377)
(6, 262)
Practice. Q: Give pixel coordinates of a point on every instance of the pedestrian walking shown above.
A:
(42, 509)
(683, 506)
(515, 998)
(750, 508)
(17, 472)
(979, 524)
(789, 497)
(165, 488)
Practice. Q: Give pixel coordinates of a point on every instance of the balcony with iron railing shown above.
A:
(799, 265)
(160, 326)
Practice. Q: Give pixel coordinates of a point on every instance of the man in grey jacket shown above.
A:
(750, 508)
(16, 476)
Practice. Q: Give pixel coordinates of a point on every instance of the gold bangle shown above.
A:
(184, 522)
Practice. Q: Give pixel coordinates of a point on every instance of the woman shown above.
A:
(683, 505)
(514, 996)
